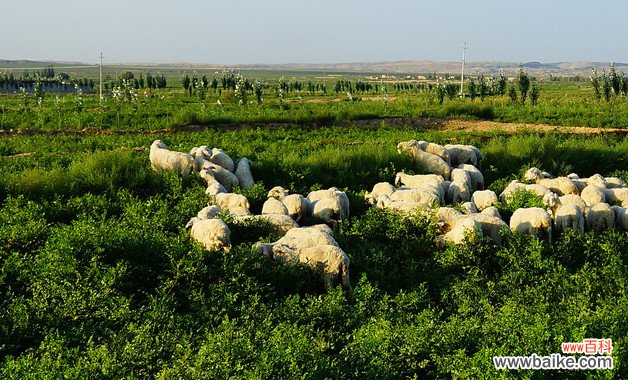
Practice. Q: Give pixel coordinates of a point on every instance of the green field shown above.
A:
(99, 278)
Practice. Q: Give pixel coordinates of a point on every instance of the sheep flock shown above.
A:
(451, 193)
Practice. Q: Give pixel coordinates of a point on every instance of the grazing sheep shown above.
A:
(566, 216)
(574, 200)
(597, 180)
(460, 175)
(459, 192)
(227, 201)
(243, 173)
(621, 217)
(332, 193)
(213, 234)
(618, 196)
(201, 155)
(222, 175)
(477, 178)
(344, 201)
(379, 188)
(445, 213)
(279, 224)
(491, 211)
(213, 186)
(421, 180)
(162, 159)
(208, 212)
(515, 186)
(559, 185)
(468, 208)
(412, 194)
(435, 149)
(491, 226)
(600, 217)
(484, 198)
(533, 220)
(465, 230)
(327, 209)
(615, 182)
(593, 195)
(464, 154)
(429, 162)
(403, 207)
(274, 206)
(220, 158)
(238, 211)
(296, 204)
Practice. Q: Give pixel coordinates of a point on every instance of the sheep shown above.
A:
(402, 206)
(491, 211)
(435, 149)
(429, 162)
(296, 204)
(593, 195)
(533, 220)
(213, 186)
(491, 226)
(213, 234)
(580, 183)
(222, 175)
(600, 217)
(334, 193)
(274, 206)
(617, 196)
(279, 224)
(208, 212)
(220, 158)
(559, 185)
(477, 178)
(566, 216)
(162, 159)
(597, 180)
(464, 154)
(621, 217)
(344, 201)
(434, 181)
(459, 192)
(238, 211)
(412, 194)
(468, 208)
(243, 173)
(465, 230)
(227, 201)
(515, 186)
(327, 209)
(461, 175)
(446, 212)
(615, 182)
(484, 198)
(379, 188)
(574, 200)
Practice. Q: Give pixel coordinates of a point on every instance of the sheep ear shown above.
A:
(190, 223)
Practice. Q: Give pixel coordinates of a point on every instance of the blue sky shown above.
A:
(323, 31)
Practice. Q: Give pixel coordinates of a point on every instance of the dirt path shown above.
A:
(419, 123)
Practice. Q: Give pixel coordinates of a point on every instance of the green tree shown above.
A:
(512, 93)
(524, 84)
(595, 82)
(473, 89)
(534, 94)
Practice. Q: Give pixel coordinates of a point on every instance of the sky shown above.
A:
(320, 31)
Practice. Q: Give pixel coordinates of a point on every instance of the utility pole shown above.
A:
(464, 48)
(100, 86)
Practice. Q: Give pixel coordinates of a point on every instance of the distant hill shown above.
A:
(387, 67)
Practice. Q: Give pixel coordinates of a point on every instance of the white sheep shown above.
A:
(574, 200)
(615, 182)
(327, 209)
(618, 196)
(442, 213)
(227, 201)
(332, 193)
(222, 175)
(491, 226)
(621, 217)
(464, 230)
(208, 212)
(600, 217)
(468, 208)
(491, 211)
(296, 204)
(477, 178)
(435, 149)
(404, 207)
(420, 195)
(515, 186)
(429, 162)
(220, 158)
(379, 188)
(244, 174)
(274, 206)
(279, 224)
(461, 175)
(464, 154)
(484, 198)
(533, 220)
(559, 185)
(566, 216)
(459, 192)
(593, 195)
(162, 159)
(213, 186)
(213, 234)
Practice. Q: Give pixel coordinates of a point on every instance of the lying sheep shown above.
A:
(228, 201)
(296, 204)
(379, 188)
(484, 198)
(477, 178)
(162, 159)
(274, 206)
(243, 173)
(429, 162)
(464, 154)
(213, 234)
(220, 158)
(600, 217)
(533, 220)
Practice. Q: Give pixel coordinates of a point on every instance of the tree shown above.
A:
(483, 88)
(524, 84)
(615, 79)
(502, 82)
(606, 86)
(512, 93)
(473, 90)
(595, 82)
(186, 83)
(534, 94)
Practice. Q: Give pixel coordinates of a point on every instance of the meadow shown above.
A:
(99, 278)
